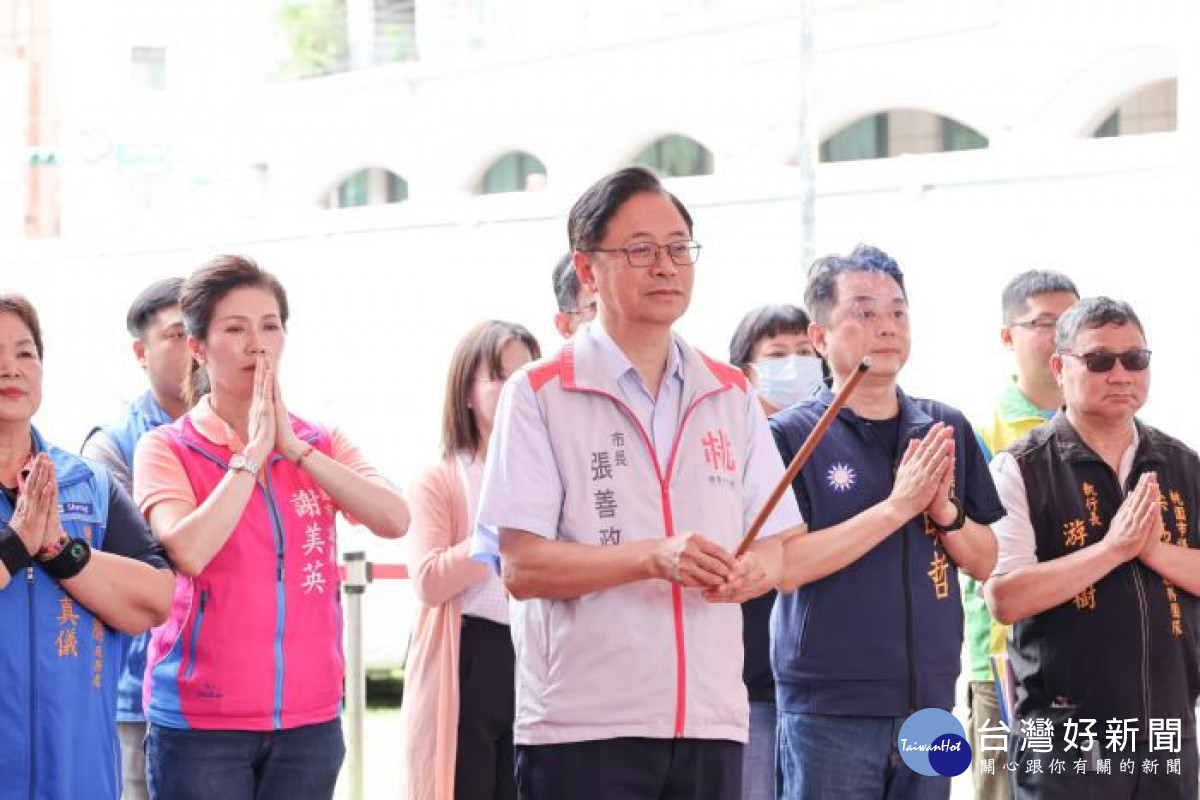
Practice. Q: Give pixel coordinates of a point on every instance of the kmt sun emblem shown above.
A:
(841, 477)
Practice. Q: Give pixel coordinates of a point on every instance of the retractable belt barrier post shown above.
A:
(356, 576)
(357, 573)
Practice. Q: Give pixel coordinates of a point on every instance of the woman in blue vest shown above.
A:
(78, 567)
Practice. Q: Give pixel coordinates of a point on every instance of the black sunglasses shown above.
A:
(1103, 361)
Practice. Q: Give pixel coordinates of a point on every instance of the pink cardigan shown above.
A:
(441, 570)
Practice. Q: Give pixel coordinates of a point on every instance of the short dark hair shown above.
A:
(154, 298)
(204, 289)
(588, 221)
(566, 284)
(763, 323)
(1015, 300)
(20, 307)
(1091, 313)
(820, 296)
(483, 344)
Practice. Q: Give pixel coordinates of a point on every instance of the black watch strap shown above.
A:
(70, 561)
(12, 551)
(960, 518)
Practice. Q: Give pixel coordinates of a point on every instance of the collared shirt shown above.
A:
(535, 504)
(1014, 533)
(1012, 417)
(487, 599)
(658, 415)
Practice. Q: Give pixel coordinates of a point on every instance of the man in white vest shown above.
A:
(623, 472)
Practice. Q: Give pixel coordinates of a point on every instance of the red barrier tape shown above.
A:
(381, 572)
(384, 572)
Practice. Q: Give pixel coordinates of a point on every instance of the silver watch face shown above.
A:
(238, 461)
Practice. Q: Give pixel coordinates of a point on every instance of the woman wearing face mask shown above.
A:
(245, 677)
(458, 697)
(771, 346)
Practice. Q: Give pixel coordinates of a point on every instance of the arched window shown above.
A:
(900, 132)
(513, 172)
(1153, 109)
(368, 187)
(676, 157)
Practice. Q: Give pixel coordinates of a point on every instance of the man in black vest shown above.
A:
(1098, 573)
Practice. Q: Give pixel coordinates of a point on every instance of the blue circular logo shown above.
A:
(932, 742)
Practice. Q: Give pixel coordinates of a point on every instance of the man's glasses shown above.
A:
(1102, 360)
(644, 254)
(587, 310)
(1040, 324)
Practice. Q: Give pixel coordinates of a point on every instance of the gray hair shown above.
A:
(566, 284)
(1091, 313)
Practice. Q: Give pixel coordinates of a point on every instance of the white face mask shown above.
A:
(788, 380)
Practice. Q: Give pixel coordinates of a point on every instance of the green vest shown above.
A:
(1012, 417)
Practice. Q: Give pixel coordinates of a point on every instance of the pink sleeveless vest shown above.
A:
(254, 642)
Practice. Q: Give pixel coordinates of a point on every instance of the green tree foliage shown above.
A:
(314, 33)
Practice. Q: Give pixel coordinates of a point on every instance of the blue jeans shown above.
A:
(758, 759)
(295, 764)
(848, 758)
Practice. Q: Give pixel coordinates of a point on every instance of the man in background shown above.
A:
(160, 347)
(1031, 304)
(576, 302)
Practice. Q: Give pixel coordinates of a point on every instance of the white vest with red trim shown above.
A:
(647, 659)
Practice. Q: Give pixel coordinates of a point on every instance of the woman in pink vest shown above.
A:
(245, 678)
(458, 696)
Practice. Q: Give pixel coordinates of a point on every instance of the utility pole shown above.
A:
(806, 144)
(42, 198)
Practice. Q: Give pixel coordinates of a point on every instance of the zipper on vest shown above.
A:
(1143, 611)
(196, 634)
(910, 655)
(664, 485)
(280, 599)
(677, 611)
(33, 673)
(908, 628)
(905, 557)
(676, 589)
(1141, 593)
(909, 645)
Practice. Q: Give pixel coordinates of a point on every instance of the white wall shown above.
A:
(585, 97)
(380, 295)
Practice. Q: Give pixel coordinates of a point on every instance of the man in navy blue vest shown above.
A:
(160, 346)
(897, 498)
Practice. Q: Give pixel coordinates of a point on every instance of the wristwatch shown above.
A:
(69, 561)
(960, 518)
(238, 462)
